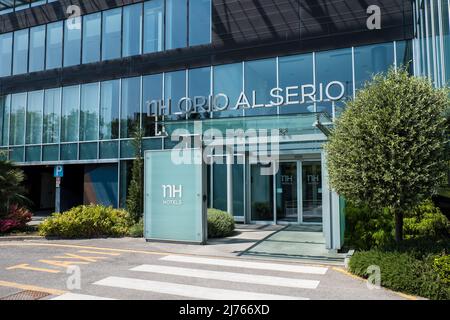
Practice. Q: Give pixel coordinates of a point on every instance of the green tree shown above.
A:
(11, 188)
(135, 190)
(387, 149)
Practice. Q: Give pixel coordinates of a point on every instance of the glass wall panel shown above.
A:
(130, 107)
(174, 90)
(109, 110)
(88, 151)
(295, 71)
(331, 66)
(50, 153)
(54, 45)
(5, 54)
(176, 24)
(91, 37)
(35, 108)
(111, 33)
(370, 60)
(20, 59)
(199, 88)
(69, 151)
(89, 112)
(109, 150)
(17, 122)
(404, 54)
(72, 44)
(70, 114)
(5, 104)
(132, 30)
(33, 153)
(446, 38)
(199, 22)
(228, 80)
(153, 26)
(152, 90)
(16, 154)
(52, 111)
(37, 48)
(260, 78)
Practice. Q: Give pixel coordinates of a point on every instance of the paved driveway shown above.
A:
(129, 269)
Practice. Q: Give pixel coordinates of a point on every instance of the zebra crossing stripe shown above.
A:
(229, 276)
(189, 291)
(238, 263)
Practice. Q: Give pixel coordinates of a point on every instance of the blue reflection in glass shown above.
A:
(132, 29)
(260, 78)
(153, 26)
(72, 44)
(20, 60)
(199, 89)
(228, 80)
(111, 34)
(37, 48)
(176, 24)
(5, 54)
(91, 37)
(152, 90)
(54, 45)
(174, 90)
(199, 22)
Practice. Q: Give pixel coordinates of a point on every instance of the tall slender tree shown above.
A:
(135, 197)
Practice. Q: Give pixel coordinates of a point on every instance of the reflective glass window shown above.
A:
(5, 103)
(260, 78)
(5, 54)
(70, 114)
(152, 87)
(228, 81)
(111, 34)
(199, 22)
(372, 59)
(89, 112)
(199, 89)
(35, 107)
(404, 54)
(20, 59)
(72, 42)
(37, 48)
(176, 24)
(153, 26)
(331, 66)
(91, 37)
(295, 71)
(132, 30)
(130, 107)
(174, 90)
(17, 122)
(54, 45)
(109, 110)
(52, 112)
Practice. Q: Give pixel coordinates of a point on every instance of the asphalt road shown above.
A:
(79, 270)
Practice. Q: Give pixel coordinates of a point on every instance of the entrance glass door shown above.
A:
(312, 192)
(261, 195)
(287, 192)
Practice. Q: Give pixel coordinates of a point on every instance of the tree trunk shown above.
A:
(398, 225)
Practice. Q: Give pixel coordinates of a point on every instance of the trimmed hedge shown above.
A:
(220, 224)
(401, 271)
(89, 221)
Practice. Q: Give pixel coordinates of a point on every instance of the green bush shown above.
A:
(220, 224)
(426, 221)
(442, 267)
(366, 228)
(89, 221)
(400, 271)
(137, 229)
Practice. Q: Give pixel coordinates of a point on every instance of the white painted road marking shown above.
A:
(229, 276)
(189, 291)
(77, 296)
(247, 264)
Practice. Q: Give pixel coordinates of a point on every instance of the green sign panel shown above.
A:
(175, 199)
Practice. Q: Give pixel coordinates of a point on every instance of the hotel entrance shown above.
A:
(292, 196)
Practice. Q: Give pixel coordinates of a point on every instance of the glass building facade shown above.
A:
(74, 90)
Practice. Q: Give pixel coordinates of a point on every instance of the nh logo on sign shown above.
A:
(58, 172)
(171, 191)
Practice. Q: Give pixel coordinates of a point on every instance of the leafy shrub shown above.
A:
(366, 228)
(87, 222)
(137, 229)
(426, 221)
(16, 219)
(442, 267)
(220, 224)
(400, 271)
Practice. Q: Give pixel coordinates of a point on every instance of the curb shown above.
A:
(20, 238)
(348, 257)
